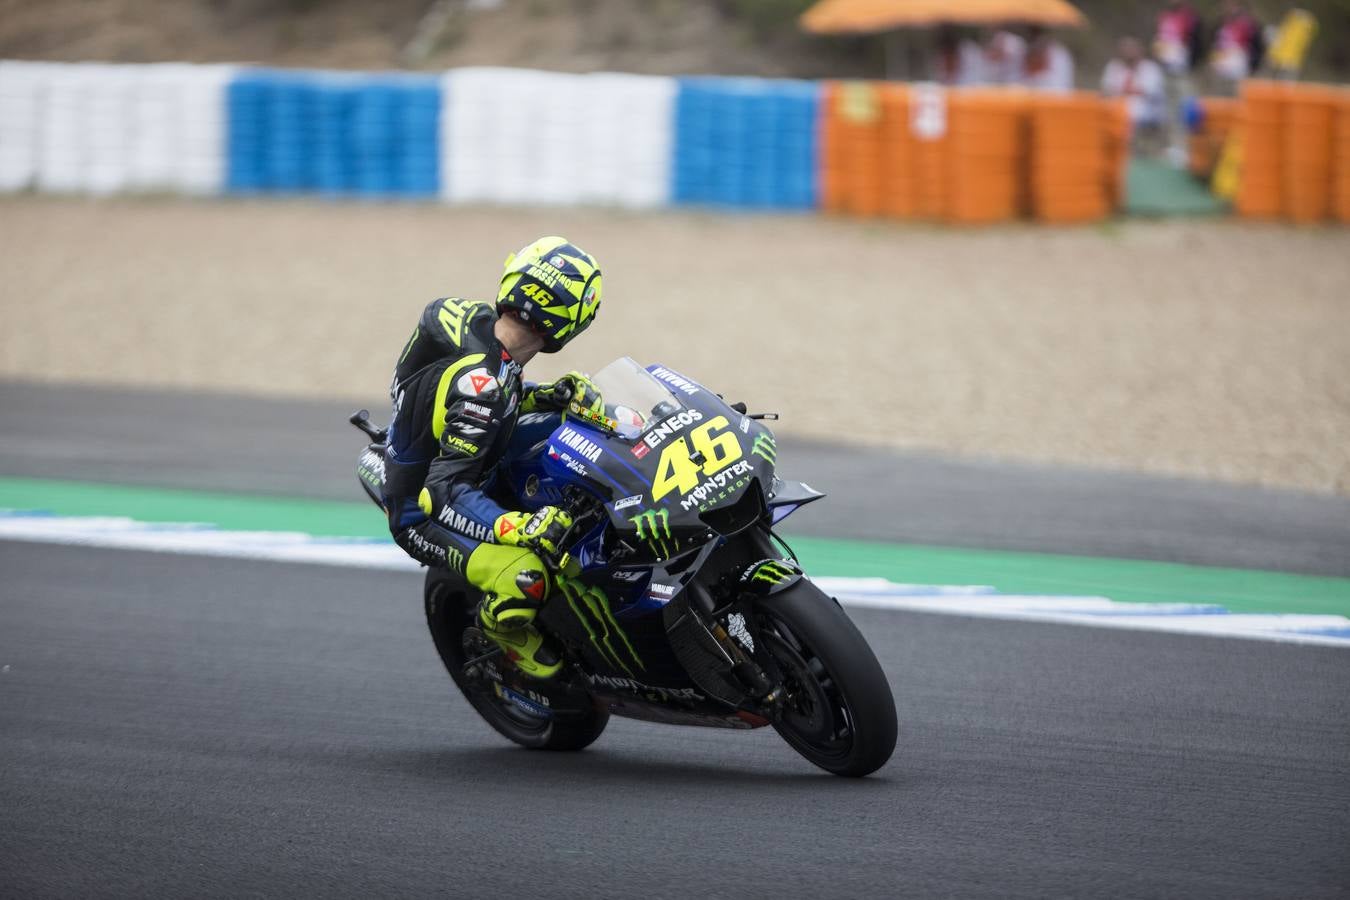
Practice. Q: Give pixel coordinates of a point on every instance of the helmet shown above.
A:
(555, 287)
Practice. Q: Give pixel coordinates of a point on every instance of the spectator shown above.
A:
(1004, 54)
(1179, 39)
(1239, 44)
(1179, 46)
(1140, 80)
(959, 60)
(1048, 65)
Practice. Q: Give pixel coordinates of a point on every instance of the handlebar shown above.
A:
(361, 419)
(560, 562)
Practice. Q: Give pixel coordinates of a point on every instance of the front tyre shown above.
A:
(450, 616)
(838, 712)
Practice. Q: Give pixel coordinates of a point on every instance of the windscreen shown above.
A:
(633, 398)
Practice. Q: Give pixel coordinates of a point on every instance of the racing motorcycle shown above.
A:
(675, 601)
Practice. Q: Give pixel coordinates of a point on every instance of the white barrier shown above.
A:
(22, 96)
(103, 129)
(528, 137)
(506, 135)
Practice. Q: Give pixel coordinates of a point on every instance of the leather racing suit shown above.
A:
(457, 396)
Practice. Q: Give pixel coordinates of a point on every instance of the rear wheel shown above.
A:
(838, 712)
(516, 712)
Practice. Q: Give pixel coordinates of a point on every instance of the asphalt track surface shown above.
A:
(307, 449)
(181, 726)
(185, 726)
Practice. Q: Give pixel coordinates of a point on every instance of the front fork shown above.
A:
(758, 580)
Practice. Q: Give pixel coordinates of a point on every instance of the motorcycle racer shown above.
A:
(457, 396)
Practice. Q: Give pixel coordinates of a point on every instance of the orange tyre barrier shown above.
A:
(1340, 188)
(1306, 154)
(970, 156)
(1072, 162)
(986, 147)
(899, 180)
(1260, 191)
(853, 149)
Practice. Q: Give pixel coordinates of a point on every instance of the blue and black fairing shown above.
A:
(642, 555)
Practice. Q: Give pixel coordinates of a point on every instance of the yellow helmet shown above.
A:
(554, 286)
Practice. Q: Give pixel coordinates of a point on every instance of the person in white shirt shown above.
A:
(1140, 80)
(1004, 53)
(1047, 65)
(959, 60)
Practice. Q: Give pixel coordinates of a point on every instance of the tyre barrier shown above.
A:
(1293, 146)
(106, 129)
(515, 136)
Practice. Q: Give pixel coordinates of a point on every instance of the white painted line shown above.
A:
(871, 593)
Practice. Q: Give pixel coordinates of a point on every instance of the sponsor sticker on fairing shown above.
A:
(567, 460)
(659, 433)
(627, 502)
(718, 487)
(675, 380)
(650, 691)
(579, 443)
(374, 463)
(663, 592)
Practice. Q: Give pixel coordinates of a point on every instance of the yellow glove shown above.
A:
(541, 531)
(572, 391)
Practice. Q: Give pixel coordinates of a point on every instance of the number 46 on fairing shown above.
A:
(675, 471)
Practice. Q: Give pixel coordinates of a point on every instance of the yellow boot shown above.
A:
(523, 645)
(514, 585)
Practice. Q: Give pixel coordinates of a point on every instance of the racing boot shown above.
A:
(524, 645)
(514, 588)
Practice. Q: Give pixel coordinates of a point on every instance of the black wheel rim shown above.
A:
(481, 686)
(816, 716)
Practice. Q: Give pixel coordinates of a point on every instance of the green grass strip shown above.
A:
(1241, 590)
(1126, 580)
(229, 511)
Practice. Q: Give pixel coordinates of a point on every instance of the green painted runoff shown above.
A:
(1126, 580)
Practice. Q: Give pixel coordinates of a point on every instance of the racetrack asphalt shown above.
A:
(183, 726)
(307, 449)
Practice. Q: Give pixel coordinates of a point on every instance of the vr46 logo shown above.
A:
(676, 471)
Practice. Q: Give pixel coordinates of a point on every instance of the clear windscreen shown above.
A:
(633, 398)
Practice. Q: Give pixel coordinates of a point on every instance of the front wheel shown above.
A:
(513, 713)
(838, 711)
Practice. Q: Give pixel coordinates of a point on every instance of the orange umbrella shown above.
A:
(867, 16)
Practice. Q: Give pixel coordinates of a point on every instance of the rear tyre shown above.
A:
(450, 614)
(839, 712)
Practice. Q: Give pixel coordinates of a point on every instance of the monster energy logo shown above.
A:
(653, 526)
(454, 559)
(772, 572)
(591, 607)
(766, 447)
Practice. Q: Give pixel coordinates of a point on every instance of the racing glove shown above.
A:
(574, 390)
(540, 532)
